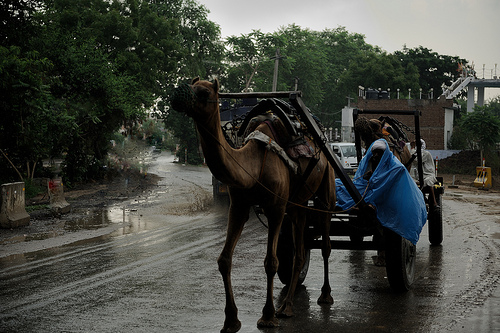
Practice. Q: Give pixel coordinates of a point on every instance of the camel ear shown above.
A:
(196, 79)
(215, 85)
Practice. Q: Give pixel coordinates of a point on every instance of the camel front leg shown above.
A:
(275, 219)
(236, 221)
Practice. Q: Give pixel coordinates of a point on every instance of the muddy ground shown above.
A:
(128, 252)
(126, 186)
(85, 200)
(141, 176)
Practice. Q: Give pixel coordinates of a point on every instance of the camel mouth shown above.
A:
(183, 98)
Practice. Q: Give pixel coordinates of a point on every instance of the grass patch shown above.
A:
(32, 208)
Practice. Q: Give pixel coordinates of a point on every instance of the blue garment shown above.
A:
(399, 202)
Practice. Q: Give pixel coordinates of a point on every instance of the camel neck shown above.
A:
(224, 162)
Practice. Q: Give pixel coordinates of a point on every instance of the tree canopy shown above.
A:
(73, 72)
(434, 69)
(329, 66)
(479, 129)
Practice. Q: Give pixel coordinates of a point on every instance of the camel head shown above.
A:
(369, 129)
(194, 99)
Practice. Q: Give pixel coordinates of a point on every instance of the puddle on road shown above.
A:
(77, 220)
(93, 220)
(32, 237)
(120, 218)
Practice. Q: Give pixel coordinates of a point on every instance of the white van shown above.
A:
(346, 151)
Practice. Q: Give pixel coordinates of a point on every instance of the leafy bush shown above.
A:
(32, 189)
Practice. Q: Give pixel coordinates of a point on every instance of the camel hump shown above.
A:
(279, 131)
(277, 107)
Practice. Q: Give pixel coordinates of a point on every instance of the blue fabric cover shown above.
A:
(400, 203)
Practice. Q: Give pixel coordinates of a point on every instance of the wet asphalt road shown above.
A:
(157, 272)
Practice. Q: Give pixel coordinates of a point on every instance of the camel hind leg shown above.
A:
(328, 199)
(298, 216)
(326, 249)
(275, 217)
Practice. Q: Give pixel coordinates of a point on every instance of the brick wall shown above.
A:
(431, 120)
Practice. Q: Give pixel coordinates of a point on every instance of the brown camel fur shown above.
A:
(372, 129)
(256, 177)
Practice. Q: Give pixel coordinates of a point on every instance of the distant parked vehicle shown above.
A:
(346, 151)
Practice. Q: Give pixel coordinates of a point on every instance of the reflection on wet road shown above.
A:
(110, 280)
(158, 273)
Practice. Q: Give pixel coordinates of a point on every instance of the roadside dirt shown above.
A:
(189, 194)
(84, 200)
(161, 188)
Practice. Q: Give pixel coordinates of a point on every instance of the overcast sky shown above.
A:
(469, 29)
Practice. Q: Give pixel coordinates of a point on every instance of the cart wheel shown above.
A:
(220, 200)
(400, 261)
(285, 253)
(435, 221)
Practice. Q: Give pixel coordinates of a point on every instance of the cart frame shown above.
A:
(358, 223)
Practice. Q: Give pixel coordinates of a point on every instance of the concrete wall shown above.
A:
(12, 208)
(432, 120)
(58, 203)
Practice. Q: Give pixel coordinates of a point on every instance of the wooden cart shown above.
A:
(358, 229)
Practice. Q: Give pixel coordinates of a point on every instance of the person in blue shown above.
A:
(386, 184)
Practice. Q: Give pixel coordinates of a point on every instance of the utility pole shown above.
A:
(276, 58)
(349, 99)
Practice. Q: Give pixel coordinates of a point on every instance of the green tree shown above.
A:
(16, 21)
(184, 129)
(30, 125)
(302, 62)
(379, 70)
(91, 88)
(250, 66)
(342, 49)
(307, 64)
(479, 129)
(494, 106)
(199, 53)
(83, 68)
(434, 69)
(326, 66)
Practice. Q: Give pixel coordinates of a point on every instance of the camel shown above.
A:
(373, 129)
(257, 176)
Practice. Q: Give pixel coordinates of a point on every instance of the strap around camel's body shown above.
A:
(271, 145)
